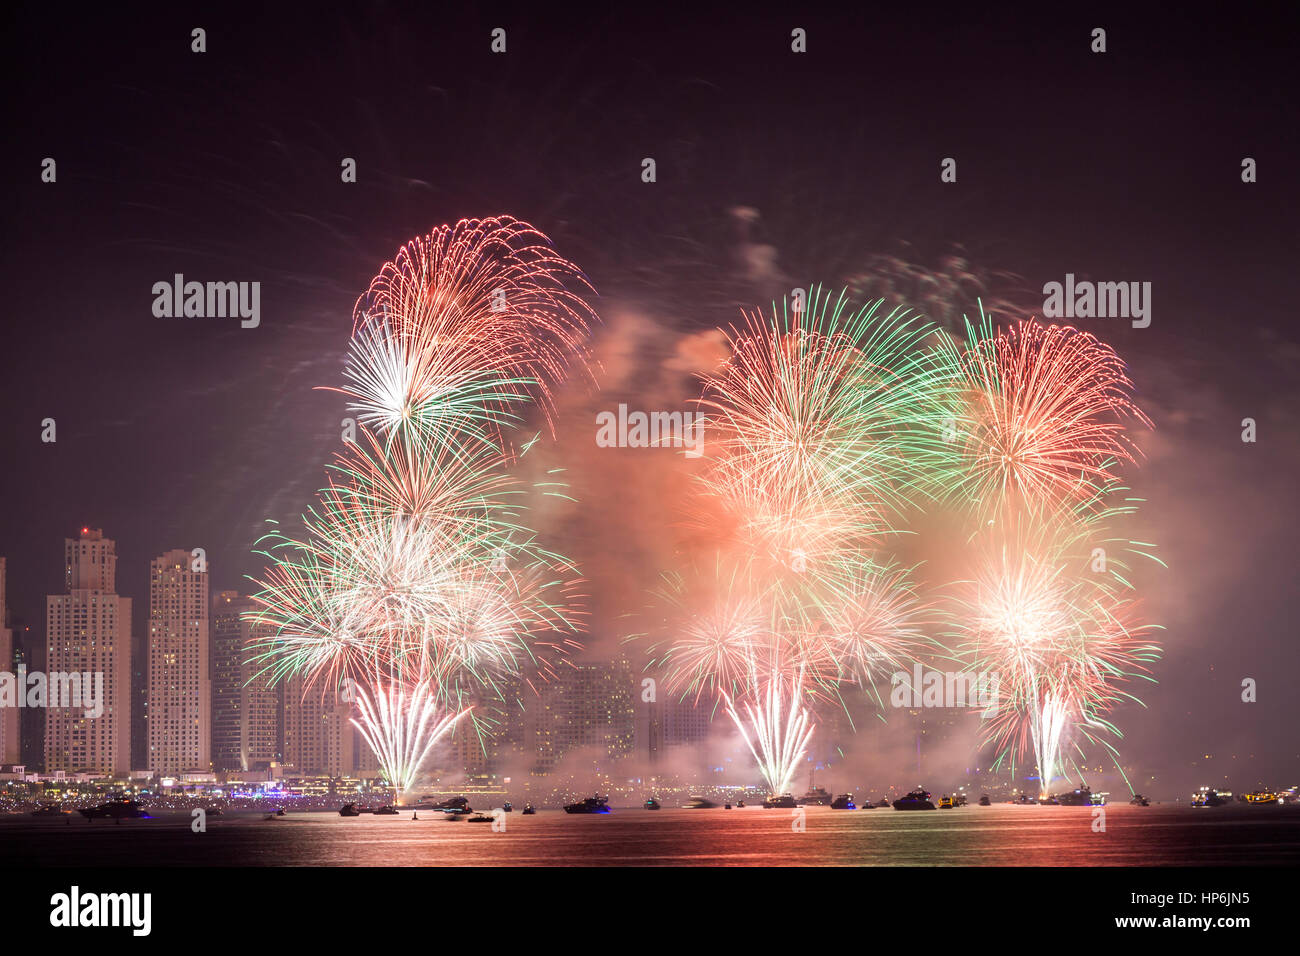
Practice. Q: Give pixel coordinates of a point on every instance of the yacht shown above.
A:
(590, 805)
(783, 802)
(843, 802)
(918, 799)
(699, 803)
(117, 810)
(1078, 797)
(652, 804)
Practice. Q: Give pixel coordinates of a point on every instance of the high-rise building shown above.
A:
(318, 737)
(179, 694)
(245, 702)
(10, 740)
(588, 710)
(88, 632)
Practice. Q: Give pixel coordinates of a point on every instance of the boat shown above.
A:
(884, 804)
(816, 796)
(740, 804)
(945, 803)
(1078, 797)
(278, 812)
(507, 807)
(918, 799)
(652, 804)
(1024, 800)
(699, 803)
(116, 810)
(783, 802)
(213, 811)
(450, 805)
(50, 811)
(481, 818)
(529, 810)
(1206, 797)
(959, 800)
(1141, 801)
(590, 805)
(349, 810)
(387, 810)
(726, 806)
(843, 802)
(1261, 797)
(984, 800)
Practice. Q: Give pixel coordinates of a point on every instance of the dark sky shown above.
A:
(225, 166)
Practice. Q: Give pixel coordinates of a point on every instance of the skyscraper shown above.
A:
(88, 631)
(10, 742)
(318, 737)
(587, 708)
(179, 695)
(245, 704)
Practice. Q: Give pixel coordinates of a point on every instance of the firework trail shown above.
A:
(1041, 420)
(777, 744)
(415, 576)
(821, 425)
(462, 326)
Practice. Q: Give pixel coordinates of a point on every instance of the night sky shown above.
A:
(774, 170)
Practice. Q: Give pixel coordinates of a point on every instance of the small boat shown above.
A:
(213, 811)
(50, 811)
(1261, 797)
(783, 802)
(945, 803)
(884, 804)
(984, 800)
(959, 800)
(843, 802)
(507, 807)
(726, 806)
(387, 810)
(918, 799)
(278, 812)
(652, 804)
(349, 810)
(590, 805)
(699, 803)
(481, 818)
(529, 810)
(740, 804)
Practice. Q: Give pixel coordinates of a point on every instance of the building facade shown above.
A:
(88, 632)
(179, 687)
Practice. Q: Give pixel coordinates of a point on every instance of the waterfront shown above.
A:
(1001, 835)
